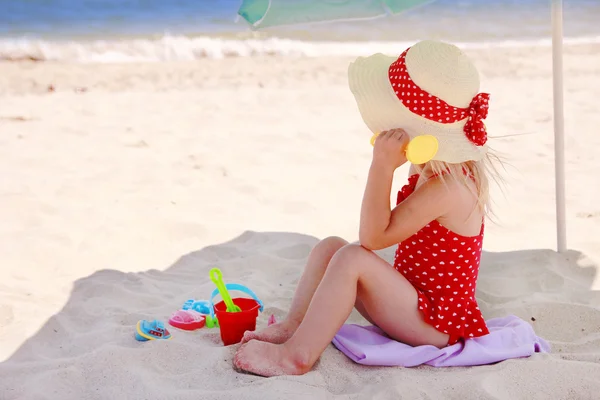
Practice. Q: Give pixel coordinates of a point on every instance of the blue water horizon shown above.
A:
(97, 19)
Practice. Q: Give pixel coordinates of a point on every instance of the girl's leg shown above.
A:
(354, 272)
(319, 258)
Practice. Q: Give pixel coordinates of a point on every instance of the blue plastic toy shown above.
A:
(154, 330)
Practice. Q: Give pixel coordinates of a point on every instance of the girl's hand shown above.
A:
(390, 148)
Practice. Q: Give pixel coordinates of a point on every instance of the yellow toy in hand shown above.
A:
(419, 150)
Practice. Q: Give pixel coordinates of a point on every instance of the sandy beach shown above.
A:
(123, 184)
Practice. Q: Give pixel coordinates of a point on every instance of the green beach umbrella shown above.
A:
(270, 13)
(266, 13)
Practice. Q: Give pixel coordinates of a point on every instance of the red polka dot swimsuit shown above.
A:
(443, 267)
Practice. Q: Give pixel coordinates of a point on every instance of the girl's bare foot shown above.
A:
(277, 333)
(267, 359)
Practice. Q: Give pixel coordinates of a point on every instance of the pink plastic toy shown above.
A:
(188, 320)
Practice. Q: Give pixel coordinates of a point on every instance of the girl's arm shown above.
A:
(375, 212)
(380, 227)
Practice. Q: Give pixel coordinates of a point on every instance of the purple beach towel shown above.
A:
(509, 337)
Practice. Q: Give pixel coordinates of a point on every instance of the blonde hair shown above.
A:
(480, 172)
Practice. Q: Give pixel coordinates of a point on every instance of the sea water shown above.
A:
(153, 30)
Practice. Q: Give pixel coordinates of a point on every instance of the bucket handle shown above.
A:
(239, 288)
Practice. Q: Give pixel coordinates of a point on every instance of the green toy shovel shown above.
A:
(217, 277)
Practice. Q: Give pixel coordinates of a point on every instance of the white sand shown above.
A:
(109, 199)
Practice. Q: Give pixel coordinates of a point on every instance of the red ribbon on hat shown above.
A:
(433, 108)
(478, 111)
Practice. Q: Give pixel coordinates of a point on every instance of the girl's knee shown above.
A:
(321, 254)
(348, 257)
(330, 245)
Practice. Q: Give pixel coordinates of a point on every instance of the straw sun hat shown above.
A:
(432, 92)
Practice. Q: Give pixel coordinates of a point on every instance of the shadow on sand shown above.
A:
(87, 350)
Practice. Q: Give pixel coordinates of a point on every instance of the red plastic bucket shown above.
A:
(233, 325)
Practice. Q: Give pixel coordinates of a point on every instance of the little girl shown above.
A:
(424, 106)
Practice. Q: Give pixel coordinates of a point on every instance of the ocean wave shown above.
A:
(182, 48)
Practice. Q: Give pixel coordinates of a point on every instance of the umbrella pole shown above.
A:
(559, 123)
